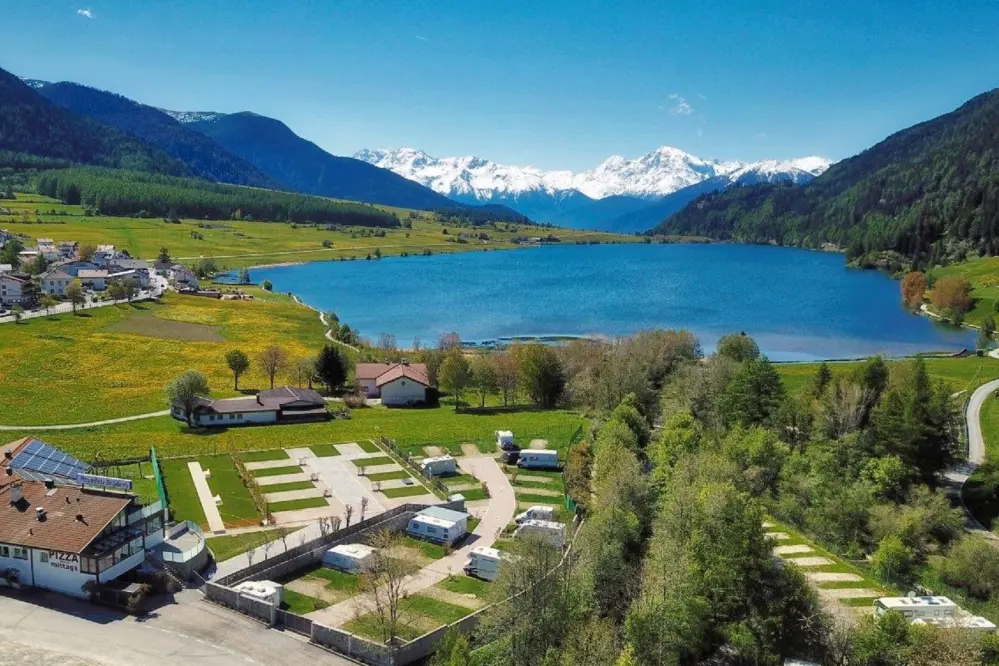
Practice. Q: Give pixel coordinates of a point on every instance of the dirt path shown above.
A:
(72, 426)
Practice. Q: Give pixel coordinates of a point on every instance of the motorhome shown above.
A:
(504, 440)
(349, 557)
(484, 563)
(546, 530)
(917, 607)
(538, 512)
(538, 459)
(439, 466)
(438, 525)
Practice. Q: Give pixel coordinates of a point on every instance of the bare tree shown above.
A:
(387, 342)
(382, 584)
(348, 513)
(360, 470)
(325, 526)
(506, 375)
(364, 507)
(336, 522)
(273, 360)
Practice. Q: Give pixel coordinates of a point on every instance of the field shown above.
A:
(960, 374)
(115, 361)
(983, 273)
(410, 428)
(236, 244)
(237, 508)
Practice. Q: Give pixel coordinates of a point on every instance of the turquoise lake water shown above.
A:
(797, 304)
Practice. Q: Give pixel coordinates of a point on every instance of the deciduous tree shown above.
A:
(273, 360)
(238, 363)
(738, 347)
(185, 390)
(913, 289)
(455, 375)
(75, 295)
(484, 379)
(951, 296)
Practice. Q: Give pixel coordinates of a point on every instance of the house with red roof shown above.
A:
(397, 384)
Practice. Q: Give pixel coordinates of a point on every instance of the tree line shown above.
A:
(132, 193)
(673, 564)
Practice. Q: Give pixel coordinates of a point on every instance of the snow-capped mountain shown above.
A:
(34, 83)
(552, 196)
(187, 117)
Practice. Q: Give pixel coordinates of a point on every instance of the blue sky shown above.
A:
(553, 83)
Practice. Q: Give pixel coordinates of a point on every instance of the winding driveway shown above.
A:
(957, 476)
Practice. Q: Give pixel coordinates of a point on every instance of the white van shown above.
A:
(538, 459)
(538, 512)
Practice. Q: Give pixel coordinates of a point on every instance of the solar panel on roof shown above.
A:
(38, 458)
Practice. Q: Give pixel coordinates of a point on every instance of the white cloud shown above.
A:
(423, 38)
(85, 13)
(681, 106)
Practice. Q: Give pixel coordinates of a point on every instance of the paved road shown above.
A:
(502, 506)
(957, 476)
(159, 285)
(43, 628)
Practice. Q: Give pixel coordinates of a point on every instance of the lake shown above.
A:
(797, 304)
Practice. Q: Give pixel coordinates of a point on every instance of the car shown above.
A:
(511, 457)
(509, 446)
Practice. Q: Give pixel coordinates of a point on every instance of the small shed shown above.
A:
(484, 563)
(349, 557)
(439, 525)
(264, 590)
(546, 530)
(439, 466)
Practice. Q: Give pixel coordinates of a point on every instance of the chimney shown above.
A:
(16, 493)
(40, 513)
(49, 484)
(8, 454)
(80, 518)
(67, 499)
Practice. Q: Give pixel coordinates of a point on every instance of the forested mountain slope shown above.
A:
(930, 192)
(31, 124)
(305, 167)
(204, 157)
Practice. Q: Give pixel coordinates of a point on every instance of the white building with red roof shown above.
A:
(397, 384)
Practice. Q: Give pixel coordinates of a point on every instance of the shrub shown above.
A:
(266, 285)
(973, 564)
(354, 401)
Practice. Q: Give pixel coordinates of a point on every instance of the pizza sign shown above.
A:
(67, 561)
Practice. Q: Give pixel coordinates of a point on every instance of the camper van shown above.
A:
(439, 466)
(438, 525)
(484, 563)
(349, 557)
(504, 440)
(552, 532)
(539, 512)
(538, 459)
(917, 607)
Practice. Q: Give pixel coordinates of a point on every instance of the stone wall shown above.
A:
(352, 646)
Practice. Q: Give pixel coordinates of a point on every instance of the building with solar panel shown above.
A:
(62, 527)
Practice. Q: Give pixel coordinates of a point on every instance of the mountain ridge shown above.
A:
(552, 196)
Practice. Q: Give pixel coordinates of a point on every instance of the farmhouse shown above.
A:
(397, 384)
(183, 276)
(438, 525)
(284, 404)
(55, 281)
(74, 267)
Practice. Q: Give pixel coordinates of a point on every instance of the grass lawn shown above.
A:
(540, 499)
(474, 494)
(407, 491)
(237, 508)
(418, 614)
(295, 505)
(458, 479)
(372, 461)
(368, 446)
(388, 476)
(411, 429)
(960, 374)
(285, 487)
(432, 550)
(265, 456)
(324, 450)
(337, 580)
(301, 604)
(276, 471)
(229, 546)
(466, 585)
(114, 361)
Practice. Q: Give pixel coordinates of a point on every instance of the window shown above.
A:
(4, 551)
(88, 565)
(431, 530)
(20, 553)
(43, 557)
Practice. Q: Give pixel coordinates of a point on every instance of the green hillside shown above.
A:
(930, 193)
